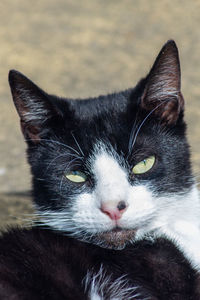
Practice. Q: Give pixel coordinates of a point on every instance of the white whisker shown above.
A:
(56, 142)
(77, 143)
(133, 138)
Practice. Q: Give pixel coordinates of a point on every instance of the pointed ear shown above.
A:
(162, 94)
(32, 104)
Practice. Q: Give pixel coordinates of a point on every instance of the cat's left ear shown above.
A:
(33, 106)
(162, 95)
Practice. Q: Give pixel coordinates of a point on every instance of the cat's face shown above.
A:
(111, 169)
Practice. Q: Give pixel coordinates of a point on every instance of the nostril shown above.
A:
(121, 205)
(114, 210)
(111, 212)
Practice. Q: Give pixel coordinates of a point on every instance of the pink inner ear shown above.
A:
(172, 109)
(167, 109)
(30, 132)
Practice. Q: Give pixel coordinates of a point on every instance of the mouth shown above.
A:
(117, 238)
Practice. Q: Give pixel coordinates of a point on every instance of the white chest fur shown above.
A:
(183, 227)
(101, 285)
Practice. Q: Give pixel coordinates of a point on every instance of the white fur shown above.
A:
(112, 184)
(95, 296)
(183, 226)
(100, 284)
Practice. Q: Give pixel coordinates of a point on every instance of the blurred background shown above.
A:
(86, 48)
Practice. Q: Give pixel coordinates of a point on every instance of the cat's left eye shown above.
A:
(76, 176)
(144, 165)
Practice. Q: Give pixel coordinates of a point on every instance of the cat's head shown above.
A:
(107, 169)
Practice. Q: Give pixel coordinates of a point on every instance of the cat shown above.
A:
(110, 174)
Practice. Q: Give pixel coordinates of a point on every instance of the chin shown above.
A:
(116, 239)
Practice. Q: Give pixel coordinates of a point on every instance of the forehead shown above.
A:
(92, 108)
(104, 156)
(113, 121)
(116, 138)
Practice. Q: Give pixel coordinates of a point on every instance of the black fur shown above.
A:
(41, 264)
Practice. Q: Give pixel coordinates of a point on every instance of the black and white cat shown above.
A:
(108, 172)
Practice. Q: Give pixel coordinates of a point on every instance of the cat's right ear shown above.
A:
(162, 94)
(32, 104)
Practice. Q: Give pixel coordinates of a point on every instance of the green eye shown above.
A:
(144, 165)
(76, 176)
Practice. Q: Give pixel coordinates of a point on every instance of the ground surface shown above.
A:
(85, 48)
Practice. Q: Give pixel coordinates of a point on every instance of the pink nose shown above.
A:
(114, 212)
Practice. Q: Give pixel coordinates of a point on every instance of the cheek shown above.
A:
(87, 215)
(84, 202)
(86, 209)
(140, 200)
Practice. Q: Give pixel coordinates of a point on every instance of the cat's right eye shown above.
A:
(144, 166)
(76, 176)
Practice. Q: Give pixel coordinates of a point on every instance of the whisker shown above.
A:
(142, 123)
(133, 130)
(62, 155)
(28, 222)
(77, 143)
(56, 142)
